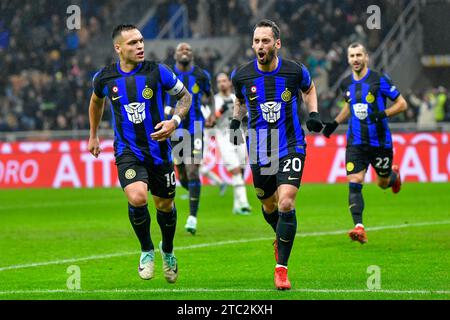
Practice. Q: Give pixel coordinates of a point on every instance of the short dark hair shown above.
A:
(356, 45)
(270, 24)
(122, 27)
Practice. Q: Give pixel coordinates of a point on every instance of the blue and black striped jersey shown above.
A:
(198, 82)
(272, 100)
(364, 97)
(137, 105)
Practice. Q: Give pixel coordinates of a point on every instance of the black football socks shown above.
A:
(167, 222)
(286, 230)
(271, 218)
(184, 183)
(140, 221)
(356, 202)
(194, 196)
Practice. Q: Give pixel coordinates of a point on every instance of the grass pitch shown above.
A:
(43, 232)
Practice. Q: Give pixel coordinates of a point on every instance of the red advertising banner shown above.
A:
(423, 157)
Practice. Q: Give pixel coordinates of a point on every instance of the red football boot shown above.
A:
(358, 234)
(281, 279)
(275, 249)
(398, 183)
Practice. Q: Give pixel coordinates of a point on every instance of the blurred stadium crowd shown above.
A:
(46, 73)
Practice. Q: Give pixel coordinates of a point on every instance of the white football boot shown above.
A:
(147, 265)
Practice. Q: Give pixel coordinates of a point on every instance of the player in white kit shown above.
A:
(233, 156)
(205, 170)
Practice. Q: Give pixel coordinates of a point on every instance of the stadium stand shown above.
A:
(47, 69)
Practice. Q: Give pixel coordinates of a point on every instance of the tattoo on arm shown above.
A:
(240, 109)
(183, 104)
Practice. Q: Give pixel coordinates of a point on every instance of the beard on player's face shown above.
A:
(132, 57)
(184, 60)
(266, 57)
(358, 65)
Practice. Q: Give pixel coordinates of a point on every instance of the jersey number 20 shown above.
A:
(295, 164)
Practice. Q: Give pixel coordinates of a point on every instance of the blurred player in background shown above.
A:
(369, 139)
(190, 132)
(269, 87)
(208, 133)
(233, 156)
(136, 88)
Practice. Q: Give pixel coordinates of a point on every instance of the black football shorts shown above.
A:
(358, 158)
(160, 179)
(288, 171)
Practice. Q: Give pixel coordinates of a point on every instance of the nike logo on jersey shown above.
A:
(292, 178)
(115, 98)
(252, 98)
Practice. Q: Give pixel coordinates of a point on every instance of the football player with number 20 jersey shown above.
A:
(269, 87)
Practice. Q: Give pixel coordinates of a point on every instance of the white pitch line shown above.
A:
(208, 290)
(216, 244)
(54, 204)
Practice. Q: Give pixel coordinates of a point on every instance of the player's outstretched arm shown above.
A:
(164, 129)
(96, 108)
(341, 117)
(400, 105)
(239, 112)
(310, 97)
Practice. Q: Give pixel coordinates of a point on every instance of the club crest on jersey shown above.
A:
(147, 93)
(135, 112)
(115, 89)
(360, 110)
(271, 111)
(286, 95)
(195, 88)
(370, 98)
(253, 89)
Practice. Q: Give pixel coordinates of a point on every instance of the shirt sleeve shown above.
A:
(97, 85)
(169, 80)
(345, 93)
(237, 86)
(387, 88)
(306, 80)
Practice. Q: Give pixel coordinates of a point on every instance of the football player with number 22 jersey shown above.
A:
(369, 139)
